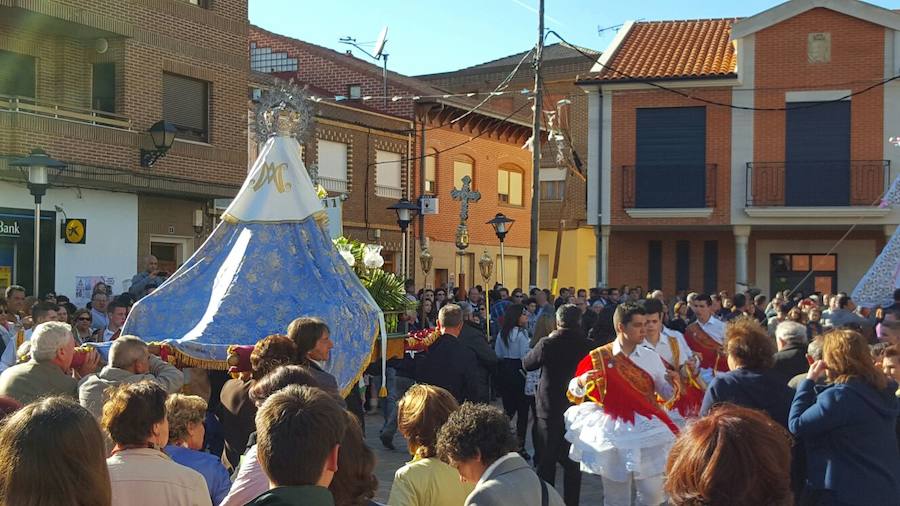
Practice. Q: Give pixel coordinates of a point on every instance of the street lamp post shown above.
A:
(502, 224)
(487, 266)
(405, 212)
(38, 164)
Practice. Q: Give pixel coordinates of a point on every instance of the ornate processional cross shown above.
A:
(464, 195)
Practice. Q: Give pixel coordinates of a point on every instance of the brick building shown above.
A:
(486, 145)
(563, 198)
(85, 80)
(765, 146)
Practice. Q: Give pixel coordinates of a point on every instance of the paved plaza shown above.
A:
(389, 461)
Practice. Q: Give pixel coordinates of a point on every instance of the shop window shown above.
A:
(17, 78)
(103, 87)
(509, 186)
(186, 105)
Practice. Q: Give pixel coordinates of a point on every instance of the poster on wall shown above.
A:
(84, 287)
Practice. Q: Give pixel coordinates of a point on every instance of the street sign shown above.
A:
(76, 230)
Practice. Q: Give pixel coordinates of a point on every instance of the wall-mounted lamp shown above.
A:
(162, 133)
(62, 222)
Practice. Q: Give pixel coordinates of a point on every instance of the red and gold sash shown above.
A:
(690, 390)
(621, 387)
(711, 353)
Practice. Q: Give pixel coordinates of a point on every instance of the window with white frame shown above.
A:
(431, 172)
(509, 186)
(333, 165)
(388, 174)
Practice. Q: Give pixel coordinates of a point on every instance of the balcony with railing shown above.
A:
(388, 191)
(63, 112)
(333, 185)
(669, 190)
(794, 188)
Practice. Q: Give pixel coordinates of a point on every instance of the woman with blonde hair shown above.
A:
(848, 427)
(185, 414)
(52, 452)
(426, 481)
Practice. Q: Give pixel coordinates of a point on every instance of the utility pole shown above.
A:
(536, 153)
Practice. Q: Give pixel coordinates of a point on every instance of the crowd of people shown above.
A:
(697, 399)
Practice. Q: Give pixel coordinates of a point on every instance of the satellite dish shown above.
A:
(379, 44)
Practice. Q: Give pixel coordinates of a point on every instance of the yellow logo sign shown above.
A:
(272, 173)
(75, 230)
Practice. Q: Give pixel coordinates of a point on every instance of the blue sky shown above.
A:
(427, 36)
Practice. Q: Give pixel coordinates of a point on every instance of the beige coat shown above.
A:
(148, 477)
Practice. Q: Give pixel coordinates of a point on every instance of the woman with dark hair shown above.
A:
(354, 483)
(476, 441)
(750, 382)
(81, 326)
(250, 481)
(425, 480)
(440, 298)
(140, 473)
(238, 411)
(734, 456)
(52, 452)
(313, 340)
(427, 307)
(848, 427)
(511, 346)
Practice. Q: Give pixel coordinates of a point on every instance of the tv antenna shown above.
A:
(378, 55)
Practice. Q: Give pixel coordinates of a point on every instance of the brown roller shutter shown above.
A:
(186, 104)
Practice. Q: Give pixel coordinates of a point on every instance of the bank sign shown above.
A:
(9, 228)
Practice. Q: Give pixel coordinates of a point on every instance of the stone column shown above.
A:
(604, 255)
(741, 244)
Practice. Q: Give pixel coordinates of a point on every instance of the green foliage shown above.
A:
(386, 288)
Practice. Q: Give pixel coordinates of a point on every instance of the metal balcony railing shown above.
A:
(818, 183)
(40, 108)
(677, 186)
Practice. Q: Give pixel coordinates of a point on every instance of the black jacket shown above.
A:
(758, 389)
(557, 356)
(473, 338)
(451, 365)
(791, 361)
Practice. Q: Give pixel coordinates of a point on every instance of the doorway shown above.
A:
(171, 251)
(808, 273)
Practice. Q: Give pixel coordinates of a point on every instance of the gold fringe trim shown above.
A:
(346, 391)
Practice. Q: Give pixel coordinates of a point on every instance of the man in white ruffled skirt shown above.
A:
(619, 427)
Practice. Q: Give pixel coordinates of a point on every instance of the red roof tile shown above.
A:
(673, 50)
